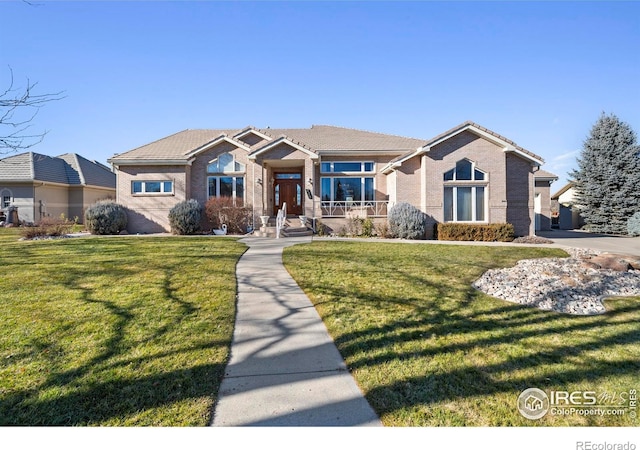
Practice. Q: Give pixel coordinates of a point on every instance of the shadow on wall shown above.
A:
(139, 223)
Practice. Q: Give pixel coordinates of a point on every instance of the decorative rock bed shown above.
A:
(574, 285)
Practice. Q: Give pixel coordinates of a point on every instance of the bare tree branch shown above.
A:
(18, 109)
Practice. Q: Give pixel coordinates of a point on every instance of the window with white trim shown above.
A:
(227, 177)
(6, 201)
(151, 187)
(347, 166)
(465, 193)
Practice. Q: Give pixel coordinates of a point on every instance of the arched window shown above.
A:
(225, 163)
(465, 193)
(465, 170)
(227, 179)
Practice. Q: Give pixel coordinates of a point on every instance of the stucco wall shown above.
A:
(21, 197)
(50, 201)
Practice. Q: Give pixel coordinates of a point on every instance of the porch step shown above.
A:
(291, 228)
(296, 232)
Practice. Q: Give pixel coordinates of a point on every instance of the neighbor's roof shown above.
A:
(70, 169)
(562, 190)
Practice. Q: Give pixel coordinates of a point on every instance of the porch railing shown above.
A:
(370, 208)
(281, 219)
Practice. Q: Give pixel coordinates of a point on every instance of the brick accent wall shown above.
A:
(520, 195)
(487, 157)
(150, 213)
(543, 188)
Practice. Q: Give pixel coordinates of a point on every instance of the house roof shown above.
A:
(70, 169)
(562, 190)
(181, 146)
(544, 175)
(473, 127)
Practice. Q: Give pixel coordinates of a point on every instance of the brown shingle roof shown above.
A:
(317, 138)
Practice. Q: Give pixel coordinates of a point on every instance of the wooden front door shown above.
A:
(288, 189)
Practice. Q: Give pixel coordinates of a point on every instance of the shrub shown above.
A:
(367, 227)
(230, 212)
(184, 217)
(48, 227)
(407, 222)
(321, 228)
(633, 225)
(105, 217)
(382, 229)
(500, 232)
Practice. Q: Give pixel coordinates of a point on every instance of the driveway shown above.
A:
(607, 243)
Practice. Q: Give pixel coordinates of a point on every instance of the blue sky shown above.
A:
(539, 73)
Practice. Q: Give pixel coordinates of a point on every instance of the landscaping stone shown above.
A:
(574, 285)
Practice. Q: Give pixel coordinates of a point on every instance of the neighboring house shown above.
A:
(43, 186)
(468, 174)
(541, 201)
(563, 201)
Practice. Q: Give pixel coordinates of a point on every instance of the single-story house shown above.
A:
(563, 202)
(467, 174)
(44, 186)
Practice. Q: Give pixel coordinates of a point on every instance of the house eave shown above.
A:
(220, 139)
(361, 153)
(150, 162)
(282, 140)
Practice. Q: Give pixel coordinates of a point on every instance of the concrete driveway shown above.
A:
(607, 243)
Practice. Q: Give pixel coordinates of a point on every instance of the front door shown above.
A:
(287, 189)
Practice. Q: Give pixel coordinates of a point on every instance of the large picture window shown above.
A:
(347, 189)
(227, 177)
(226, 187)
(465, 193)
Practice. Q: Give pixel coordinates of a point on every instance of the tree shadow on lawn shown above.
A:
(467, 344)
(111, 386)
(492, 331)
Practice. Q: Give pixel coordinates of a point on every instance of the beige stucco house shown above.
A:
(564, 203)
(467, 174)
(44, 186)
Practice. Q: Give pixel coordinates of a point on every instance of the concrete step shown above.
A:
(297, 232)
(287, 231)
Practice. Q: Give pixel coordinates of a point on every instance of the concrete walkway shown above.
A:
(285, 369)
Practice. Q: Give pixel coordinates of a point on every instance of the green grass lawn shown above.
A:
(114, 331)
(429, 350)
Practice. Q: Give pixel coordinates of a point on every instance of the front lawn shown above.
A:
(114, 331)
(429, 350)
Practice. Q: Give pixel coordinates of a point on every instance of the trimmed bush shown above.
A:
(494, 232)
(184, 218)
(407, 222)
(105, 217)
(633, 225)
(232, 213)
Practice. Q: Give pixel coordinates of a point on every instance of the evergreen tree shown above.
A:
(607, 180)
